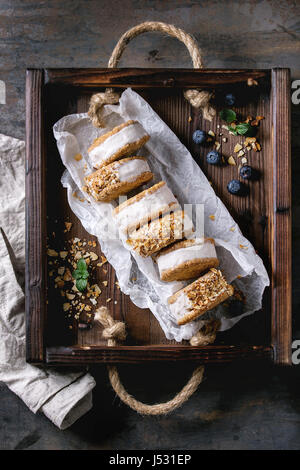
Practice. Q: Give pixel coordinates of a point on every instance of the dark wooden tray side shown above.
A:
(278, 202)
(35, 218)
(281, 228)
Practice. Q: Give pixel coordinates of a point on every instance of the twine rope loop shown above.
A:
(115, 331)
(197, 98)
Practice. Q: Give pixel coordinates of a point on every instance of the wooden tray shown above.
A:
(264, 215)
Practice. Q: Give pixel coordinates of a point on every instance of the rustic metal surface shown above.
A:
(238, 406)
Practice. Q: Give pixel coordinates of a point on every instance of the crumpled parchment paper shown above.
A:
(170, 161)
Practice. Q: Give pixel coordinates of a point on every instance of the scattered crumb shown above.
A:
(212, 217)
(237, 148)
(252, 82)
(78, 157)
(231, 160)
(52, 252)
(68, 226)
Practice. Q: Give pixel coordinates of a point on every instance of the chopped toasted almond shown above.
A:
(231, 160)
(63, 254)
(241, 153)
(237, 148)
(104, 283)
(68, 226)
(252, 82)
(210, 132)
(249, 140)
(189, 119)
(108, 300)
(244, 160)
(93, 256)
(51, 252)
(67, 275)
(61, 270)
(77, 255)
(66, 306)
(70, 296)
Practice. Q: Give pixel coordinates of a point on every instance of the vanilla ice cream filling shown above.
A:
(176, 257)
(144, 207)
(113, 143)
(181, 306)
(130, 170)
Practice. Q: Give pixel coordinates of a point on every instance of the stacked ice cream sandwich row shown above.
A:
(154, 223)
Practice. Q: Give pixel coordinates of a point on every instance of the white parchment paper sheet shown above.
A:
(170, 161)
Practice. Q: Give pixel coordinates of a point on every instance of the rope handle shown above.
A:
(115, 331)
(149, 26)
(197, 98)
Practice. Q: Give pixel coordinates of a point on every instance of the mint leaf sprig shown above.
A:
(241, 128)
(81, 275)
(228, 115)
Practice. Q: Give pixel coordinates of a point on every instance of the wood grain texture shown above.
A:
(150, 78)
(215, 354)
(281, 220)
(35, 218)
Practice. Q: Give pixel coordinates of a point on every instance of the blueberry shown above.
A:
(235, 187)
(230, 99)
(199, 137)
(246, 172)
(213, 157)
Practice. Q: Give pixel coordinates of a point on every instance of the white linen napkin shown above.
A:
(63, 396)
